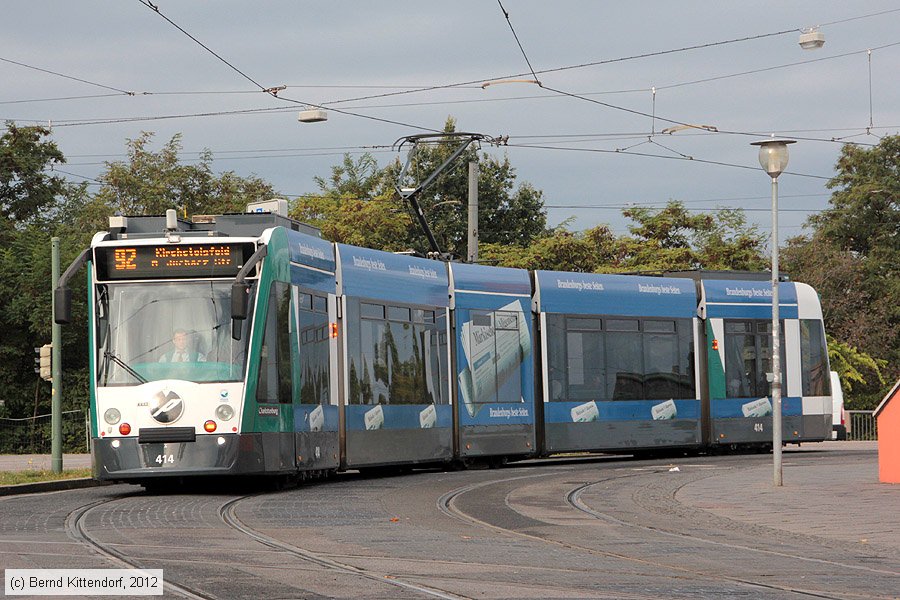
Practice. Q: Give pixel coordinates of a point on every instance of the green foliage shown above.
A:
(149, 183)
(864, 215)
(35, 205)
(27, 193)
(357, 206)
(854, 368)
(667, 239)
(589, 251)
(852, 256)
(674, 239)
(506, 214)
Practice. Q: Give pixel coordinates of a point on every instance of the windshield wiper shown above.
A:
(110, 356)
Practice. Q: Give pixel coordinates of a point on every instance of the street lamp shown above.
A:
(773, 157)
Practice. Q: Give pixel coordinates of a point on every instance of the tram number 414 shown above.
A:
(162, 459)
(758, 427)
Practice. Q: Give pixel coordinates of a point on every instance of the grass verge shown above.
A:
(36, 475)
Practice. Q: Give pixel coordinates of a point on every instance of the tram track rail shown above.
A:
(228, 514)
(447, 503)
(77, 529)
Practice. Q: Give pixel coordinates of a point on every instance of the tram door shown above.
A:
(315, 413)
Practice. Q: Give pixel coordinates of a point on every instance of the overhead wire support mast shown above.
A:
(410, 194)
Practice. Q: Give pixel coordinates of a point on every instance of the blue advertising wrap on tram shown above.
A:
(619, 296)
(312, 262)
(620, 410)
(374, 274)
(368, 417)
(748, 299)
(733, 408)
(598, 294)
(495, 368)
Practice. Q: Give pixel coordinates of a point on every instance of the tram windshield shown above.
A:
(167, 330)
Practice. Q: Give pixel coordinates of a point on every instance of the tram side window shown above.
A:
(495, 352)
(624, 361)
(437, 356)
(314, 349)
(748, 358)
(401, 356)
(556, 357)
(662, 368)
(619, 358)
(584, 353)
(406, 358)
(274, 383)
(814, 359)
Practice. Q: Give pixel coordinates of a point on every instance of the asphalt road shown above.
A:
(570, 528)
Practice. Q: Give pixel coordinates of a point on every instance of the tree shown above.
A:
(26, 190)
(864, 210)
(34, 206)
(149, 183)
(852, 256)
(674, 239)
(594, 250)
(357, 205)
(854, 368)
(506, 214)
(361, 179)
(661, 240)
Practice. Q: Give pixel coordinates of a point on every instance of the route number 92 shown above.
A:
(162, 459)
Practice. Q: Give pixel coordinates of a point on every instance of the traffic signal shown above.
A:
(42, 362)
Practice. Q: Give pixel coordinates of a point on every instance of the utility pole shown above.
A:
(473, 212)
(56, 460)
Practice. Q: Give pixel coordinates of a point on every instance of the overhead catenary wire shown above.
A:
(328, 104)
(93, 83)
(663, 156)
(521, 48)
(689, 209)
(566, 67)
(609, 61)
(69, 123)
(273, 91)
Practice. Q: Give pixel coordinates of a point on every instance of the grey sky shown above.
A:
(316, 47)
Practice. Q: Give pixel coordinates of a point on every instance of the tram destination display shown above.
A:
(171, 261)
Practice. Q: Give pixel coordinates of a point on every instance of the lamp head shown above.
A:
(773, 155)
(312, 114)
(811, 38)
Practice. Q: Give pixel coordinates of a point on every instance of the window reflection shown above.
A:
(399, 355)
(748, 358)
(619, 359)
(137, 324)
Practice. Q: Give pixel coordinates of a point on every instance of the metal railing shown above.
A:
(861, 425)
(32, 435)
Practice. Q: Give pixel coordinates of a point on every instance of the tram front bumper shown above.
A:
(120, 459)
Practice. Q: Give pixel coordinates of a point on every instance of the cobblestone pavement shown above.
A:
(707, 527)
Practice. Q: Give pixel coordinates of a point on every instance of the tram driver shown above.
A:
(181, 352)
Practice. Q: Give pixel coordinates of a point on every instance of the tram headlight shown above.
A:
(224, 412)
(112, 416)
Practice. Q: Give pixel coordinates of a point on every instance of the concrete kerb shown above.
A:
(48, 486)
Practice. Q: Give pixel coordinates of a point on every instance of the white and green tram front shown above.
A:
(167, 375)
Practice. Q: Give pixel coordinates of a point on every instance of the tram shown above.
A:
(247, 345)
